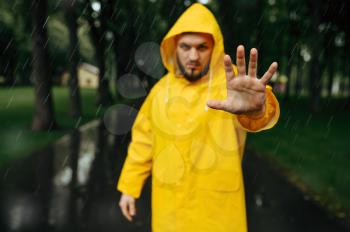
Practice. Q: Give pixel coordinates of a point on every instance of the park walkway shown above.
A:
(70, 186)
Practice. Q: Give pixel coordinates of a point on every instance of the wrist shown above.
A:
(257, 114)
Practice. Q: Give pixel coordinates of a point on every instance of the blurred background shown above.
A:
(66, 64)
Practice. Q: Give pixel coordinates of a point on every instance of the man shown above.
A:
(191, 144)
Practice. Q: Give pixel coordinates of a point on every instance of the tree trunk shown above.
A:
(315, 64)
(43, 118)
(10, 77)
(329, 62)
(228, 11)
(289, 48)
(289, 76)
(346, 69)
(74, 90)
(124, 49)
(330, 76)
(299, 77)
(171, 10)
(263, 63)
(315, 80)
(104, 97)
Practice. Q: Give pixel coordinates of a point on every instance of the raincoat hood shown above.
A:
(197, 18)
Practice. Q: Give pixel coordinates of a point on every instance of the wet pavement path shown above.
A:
(70, 186)
(273, 204)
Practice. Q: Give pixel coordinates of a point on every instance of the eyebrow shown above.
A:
(201, 44)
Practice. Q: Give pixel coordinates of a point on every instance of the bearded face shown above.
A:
(193, 53)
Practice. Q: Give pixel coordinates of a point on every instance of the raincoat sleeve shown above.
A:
(266, 121)
(138, 163)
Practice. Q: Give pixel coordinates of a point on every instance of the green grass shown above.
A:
(315, 147)
(16, 110)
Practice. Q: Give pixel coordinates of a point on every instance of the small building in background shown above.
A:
(87, 76)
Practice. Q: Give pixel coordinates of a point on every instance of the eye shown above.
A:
(185, 47)
(202, 47)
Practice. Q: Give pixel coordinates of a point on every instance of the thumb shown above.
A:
(132, 208)
(217, 105)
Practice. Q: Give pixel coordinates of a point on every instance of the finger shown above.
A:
(132, 208)
(269, 73)
(124, 208)
(228, 67)
(217, 105)
(240, 61)
(253, 63)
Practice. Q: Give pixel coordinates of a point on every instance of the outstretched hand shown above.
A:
(245, 93)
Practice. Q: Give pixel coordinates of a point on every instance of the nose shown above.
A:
(194, 54)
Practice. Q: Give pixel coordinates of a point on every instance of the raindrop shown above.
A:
(9, 103)
(293, 16)
(276, 148)
(97, 23)
(78, 122)
(258, 200)
(287, 122)
(305, 53)
(272, 18)
(65, 161)
(204, 1)
(340, 39)
(272, 2)
(19, 135)
(330, 121)
(119, 119)
(98, 109)
(322, 27)
(187, 2)
(6, 173)
(96, 6)
(130, 86)
(295, 138)
(308, 120)
(109, 35)
(46, 21)
(148, 59)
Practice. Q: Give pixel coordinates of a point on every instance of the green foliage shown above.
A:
(86, 48)
(6, 17)
(58, 42)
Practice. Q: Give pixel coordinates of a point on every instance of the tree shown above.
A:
(329, 53)
(74, 90)
(315, 83)
(97, 22)
(43, 118)
(8, 59)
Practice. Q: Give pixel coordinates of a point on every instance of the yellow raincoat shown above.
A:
(193, 153)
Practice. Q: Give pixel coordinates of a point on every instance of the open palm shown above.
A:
(245, 93)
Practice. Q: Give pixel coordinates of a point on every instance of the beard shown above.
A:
(191, 76)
